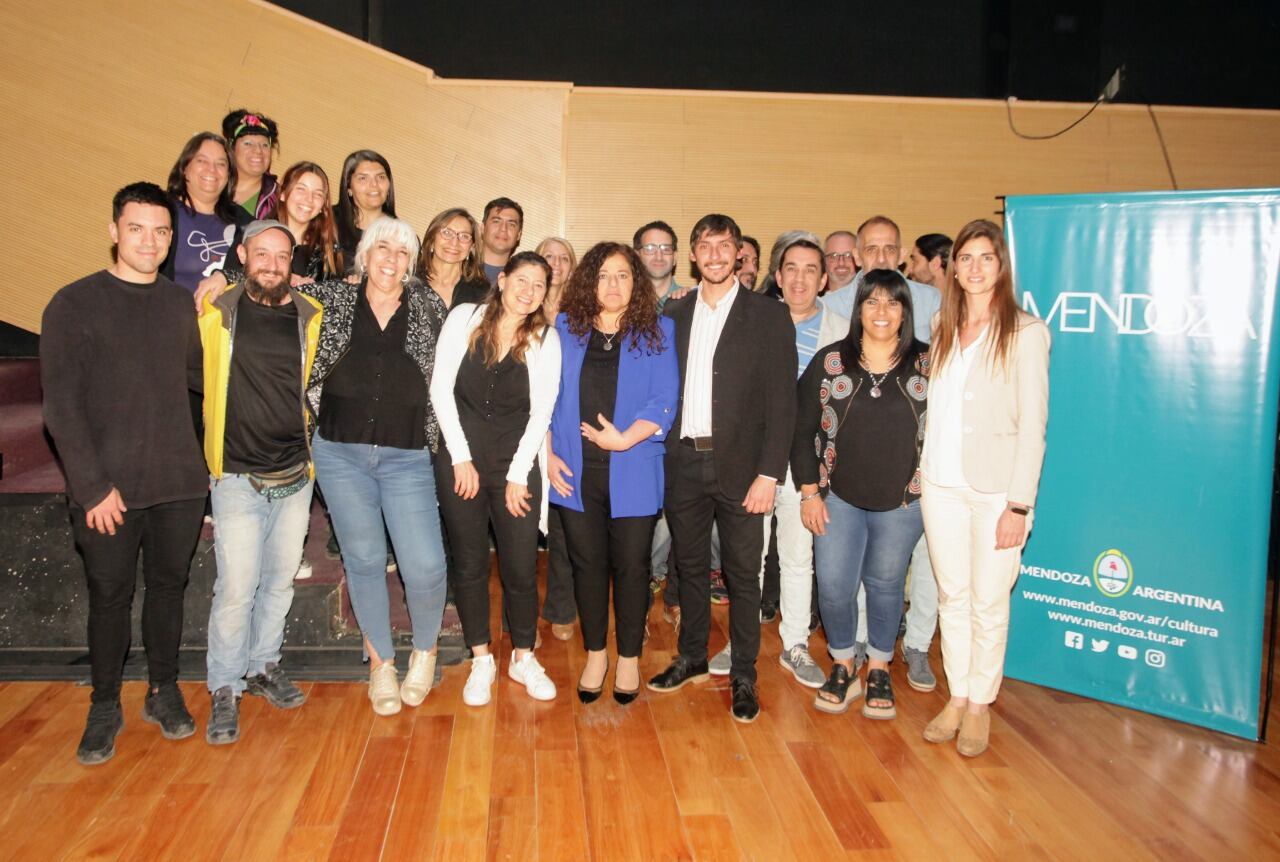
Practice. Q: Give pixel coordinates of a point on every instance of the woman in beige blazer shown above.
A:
(984, 444)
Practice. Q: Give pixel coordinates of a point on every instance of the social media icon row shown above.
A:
(1075, 640)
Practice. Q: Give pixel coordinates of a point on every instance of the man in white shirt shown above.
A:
(734, 427)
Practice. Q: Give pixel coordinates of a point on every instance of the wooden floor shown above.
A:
(669, 777)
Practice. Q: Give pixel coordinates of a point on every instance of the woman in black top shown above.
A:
(305, 210)
(449, 262)
(372, 449)
(494, 386)
(365, 193)
(856, 461)
(620, 379)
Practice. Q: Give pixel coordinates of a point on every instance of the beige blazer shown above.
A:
(1005, 413)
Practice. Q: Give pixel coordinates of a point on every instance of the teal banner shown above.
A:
(1143, 583)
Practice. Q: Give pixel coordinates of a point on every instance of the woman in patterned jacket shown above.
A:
(856, 461)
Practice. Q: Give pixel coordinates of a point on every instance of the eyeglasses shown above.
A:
(655, 247)
(461, 235)
(837, 256)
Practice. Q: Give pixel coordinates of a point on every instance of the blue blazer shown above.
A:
(648, 388)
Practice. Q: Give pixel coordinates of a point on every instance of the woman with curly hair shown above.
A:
(494, 386)
(619, 381)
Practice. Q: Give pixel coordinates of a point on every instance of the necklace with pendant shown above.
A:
(608, 340)
(875, 384)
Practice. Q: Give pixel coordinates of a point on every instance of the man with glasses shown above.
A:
(838, 251)
(656, 244)
(878, 245)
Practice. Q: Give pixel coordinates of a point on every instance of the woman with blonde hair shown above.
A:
(983, 449)
(559, 607)
(560, 256)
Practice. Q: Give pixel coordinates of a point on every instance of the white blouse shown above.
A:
(942, 462)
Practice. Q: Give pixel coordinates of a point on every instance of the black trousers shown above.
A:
(608, 551)
(167, 535)
(467, 523)
(559, 606)
(693, 501)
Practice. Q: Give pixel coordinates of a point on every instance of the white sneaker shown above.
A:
(535, 680)
(483, 672)
(383, 690)
(421, 676)
(304, 571)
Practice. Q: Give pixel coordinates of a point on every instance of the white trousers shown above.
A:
(795, 565)
(974, 583)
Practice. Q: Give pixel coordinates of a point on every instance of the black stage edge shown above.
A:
(44, 609)
(18, 343)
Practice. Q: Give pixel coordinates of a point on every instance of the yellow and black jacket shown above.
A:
(217, 335)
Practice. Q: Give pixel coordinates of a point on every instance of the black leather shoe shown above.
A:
(746, 705)
(768, 612)
(679, 673)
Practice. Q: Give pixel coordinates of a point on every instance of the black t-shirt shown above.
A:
(376, 394)
(598, 387)
(877, 443)
(265, 426)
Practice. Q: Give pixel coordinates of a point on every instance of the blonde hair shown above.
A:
(390, 229)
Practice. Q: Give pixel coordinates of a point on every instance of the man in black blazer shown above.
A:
(727, 451)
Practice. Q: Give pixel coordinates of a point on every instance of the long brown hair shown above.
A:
(581, 304)
(322, 230)
(471, 267)
(1004, 305)
(484, 338)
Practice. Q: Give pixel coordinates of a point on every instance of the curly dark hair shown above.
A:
(581, 305)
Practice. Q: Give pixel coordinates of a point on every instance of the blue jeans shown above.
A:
(872, 549)
(365, 485)
(258, 545)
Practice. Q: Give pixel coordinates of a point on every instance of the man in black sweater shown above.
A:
(726, 453)
(119, 351)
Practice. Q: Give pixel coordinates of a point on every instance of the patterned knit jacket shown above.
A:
(825, 393)
(339, 298)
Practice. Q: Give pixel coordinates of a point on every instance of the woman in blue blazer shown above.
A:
(619, 383)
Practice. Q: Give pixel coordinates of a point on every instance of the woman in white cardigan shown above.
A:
(983, 448)
(495, 383)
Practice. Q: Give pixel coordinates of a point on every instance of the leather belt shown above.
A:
(697, 444)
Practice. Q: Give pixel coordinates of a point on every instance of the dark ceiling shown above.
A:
(1179, 52)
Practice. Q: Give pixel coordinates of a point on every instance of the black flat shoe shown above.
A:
(625, 697)
(591, 695)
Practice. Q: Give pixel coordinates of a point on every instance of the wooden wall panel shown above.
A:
(107, 95)
(97, 95)
(823, 163)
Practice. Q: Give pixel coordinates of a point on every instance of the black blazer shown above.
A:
(753, 398)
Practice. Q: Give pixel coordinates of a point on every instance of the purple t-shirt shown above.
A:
(202, 241)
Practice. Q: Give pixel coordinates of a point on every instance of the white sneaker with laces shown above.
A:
(304, 571)
(529, 673)
(418, 681)
(383, 689)
(483, 672)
